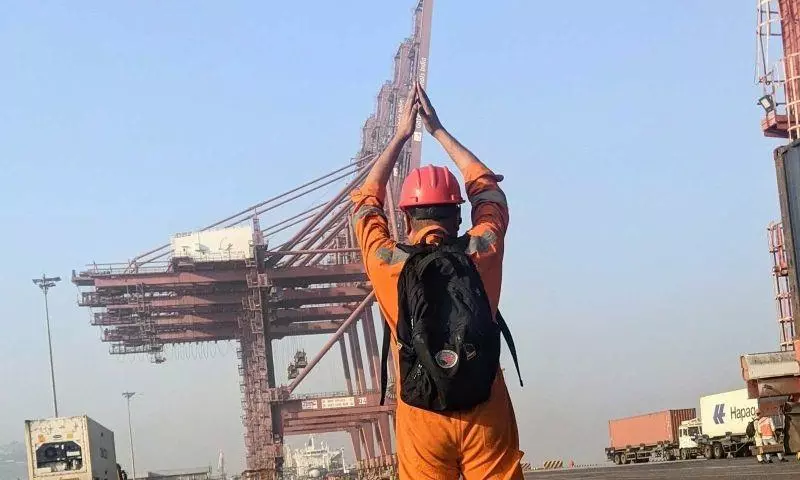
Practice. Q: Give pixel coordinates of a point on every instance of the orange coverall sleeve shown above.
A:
(489, 204)
(490, 223)
(377, 247)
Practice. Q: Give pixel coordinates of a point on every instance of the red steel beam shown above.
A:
(294, 276)
(422, 35)
(221, 319)
(224, 329)
(358, 364)
(386, 434)
(184, 301)
(290, 276)
(363, 415)
(332, 227)
(279, 317)
(357, 180)
(343, 414)
(311, 314)
(173, 337)
(379, 437)
(340, 424)
(356, 443)
(320, 405)
(104, 297)
(169, 279)
(329, 428)
(333, 232)
(309, 296)
(281, 298)
(368, 439)
(345, 365)
(316, 274)
(293, 430)
(220, 334)
(775, 387)
(368, 329)
(313, 251)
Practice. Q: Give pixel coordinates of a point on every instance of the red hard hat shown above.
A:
(428, 186)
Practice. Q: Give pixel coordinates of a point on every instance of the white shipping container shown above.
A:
(70, 448)
(727, 412)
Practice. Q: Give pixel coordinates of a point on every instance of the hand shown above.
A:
(427, 112)
(408, 119)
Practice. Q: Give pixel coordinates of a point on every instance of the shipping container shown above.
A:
(727, 413)
(653, 436)
(70, 448)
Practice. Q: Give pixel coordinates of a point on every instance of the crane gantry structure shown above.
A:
(777, 374)
(227, 282)
(778, 73)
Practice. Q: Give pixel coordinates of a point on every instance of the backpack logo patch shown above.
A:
(446, 358)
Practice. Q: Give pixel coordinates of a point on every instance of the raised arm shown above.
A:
(489, 205)
(382, 169)
(369, 221)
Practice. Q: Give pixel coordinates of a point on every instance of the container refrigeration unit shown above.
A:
(70, 448)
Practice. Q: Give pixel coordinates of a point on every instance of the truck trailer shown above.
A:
(70, 448)
(649, 437)
(720, 430)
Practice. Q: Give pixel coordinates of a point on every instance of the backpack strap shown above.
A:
(387, 333)
(510, 342)
(385, 359)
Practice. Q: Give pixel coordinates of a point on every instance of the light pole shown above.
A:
(45, 284)
(128, 396)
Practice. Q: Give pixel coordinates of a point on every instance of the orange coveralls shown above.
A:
(480, 443)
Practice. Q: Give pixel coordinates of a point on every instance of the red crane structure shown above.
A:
(778, 73)
(777, 374)
(227, 282)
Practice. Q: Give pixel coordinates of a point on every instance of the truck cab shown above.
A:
(688, 434)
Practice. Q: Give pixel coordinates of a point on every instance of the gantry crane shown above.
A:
(227, 283)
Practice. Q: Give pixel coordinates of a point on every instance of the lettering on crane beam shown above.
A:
(309, 405)
(338, 402)
(421, 71)
(423, 68)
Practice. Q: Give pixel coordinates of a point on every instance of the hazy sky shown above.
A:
(640, 186)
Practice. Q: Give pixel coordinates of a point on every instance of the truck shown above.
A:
(720, 430)
(648, 437)
(70, 448)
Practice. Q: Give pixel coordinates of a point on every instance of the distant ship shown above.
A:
(313, 460)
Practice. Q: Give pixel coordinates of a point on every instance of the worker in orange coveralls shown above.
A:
(765, 428)
(481, 442)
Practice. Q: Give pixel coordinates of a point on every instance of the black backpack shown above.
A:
(750, 431)
(449, 344)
